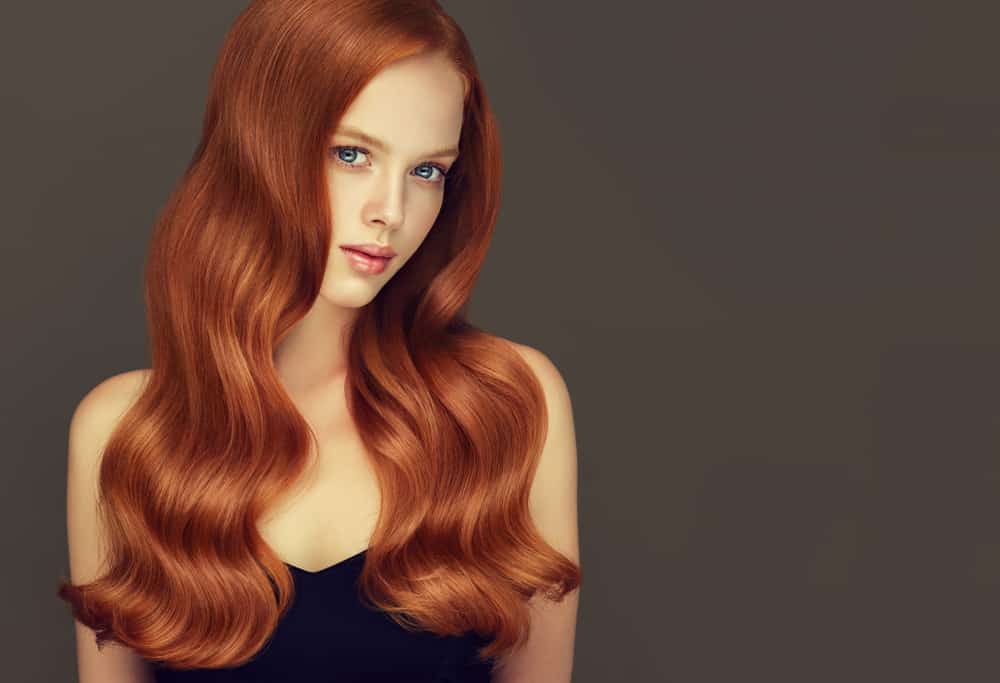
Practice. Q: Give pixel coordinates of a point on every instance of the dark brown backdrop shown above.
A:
(774, 305)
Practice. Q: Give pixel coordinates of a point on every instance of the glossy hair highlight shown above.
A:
(453, 417)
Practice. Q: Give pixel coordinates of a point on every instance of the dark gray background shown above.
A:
(758, 239)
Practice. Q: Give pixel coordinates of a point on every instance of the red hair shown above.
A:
(453, 418)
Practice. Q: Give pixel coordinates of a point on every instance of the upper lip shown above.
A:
(371, 249)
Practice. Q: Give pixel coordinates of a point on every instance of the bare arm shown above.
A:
(547, 657)
(92, 423)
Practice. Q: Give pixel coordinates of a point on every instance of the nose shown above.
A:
(385, 206)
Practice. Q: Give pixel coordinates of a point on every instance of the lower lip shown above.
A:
(363, 263)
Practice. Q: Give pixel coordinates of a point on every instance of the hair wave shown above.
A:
(453, 417)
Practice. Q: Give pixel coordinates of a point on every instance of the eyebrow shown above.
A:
(379, 144)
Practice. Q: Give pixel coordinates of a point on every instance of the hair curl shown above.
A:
(453, 418)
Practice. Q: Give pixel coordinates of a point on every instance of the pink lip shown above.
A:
(372, 249)
(363, 263)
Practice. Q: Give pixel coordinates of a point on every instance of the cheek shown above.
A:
(341, 195)
(420, 223)
(346, 208)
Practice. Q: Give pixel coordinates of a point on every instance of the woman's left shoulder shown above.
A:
(553, 496)
(559, 453)
(545, 370)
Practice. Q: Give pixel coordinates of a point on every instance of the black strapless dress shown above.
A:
(328, 635)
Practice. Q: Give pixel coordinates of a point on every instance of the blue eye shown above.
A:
(439, 169)
(352, 152)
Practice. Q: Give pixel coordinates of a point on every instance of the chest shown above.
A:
(329, 514)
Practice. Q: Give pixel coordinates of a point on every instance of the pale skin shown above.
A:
(385, 194)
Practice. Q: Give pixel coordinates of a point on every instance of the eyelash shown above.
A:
(335, 152)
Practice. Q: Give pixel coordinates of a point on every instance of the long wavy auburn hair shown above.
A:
(453, 418)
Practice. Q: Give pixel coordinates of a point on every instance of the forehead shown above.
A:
(411, 104)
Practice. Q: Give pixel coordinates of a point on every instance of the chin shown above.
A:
(348, 295)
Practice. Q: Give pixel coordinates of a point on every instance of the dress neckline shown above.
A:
(331, 567)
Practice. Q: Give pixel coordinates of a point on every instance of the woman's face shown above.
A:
(385, 171)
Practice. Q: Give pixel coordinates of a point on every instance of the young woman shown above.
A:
(328, 473)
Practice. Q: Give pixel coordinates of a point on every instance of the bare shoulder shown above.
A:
(557, 398)
(546, 371)
(102, 405)
(548, 654)
(94, 419)
(554, 488)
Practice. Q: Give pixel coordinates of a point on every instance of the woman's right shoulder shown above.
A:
(98, 412)
(92, 424)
